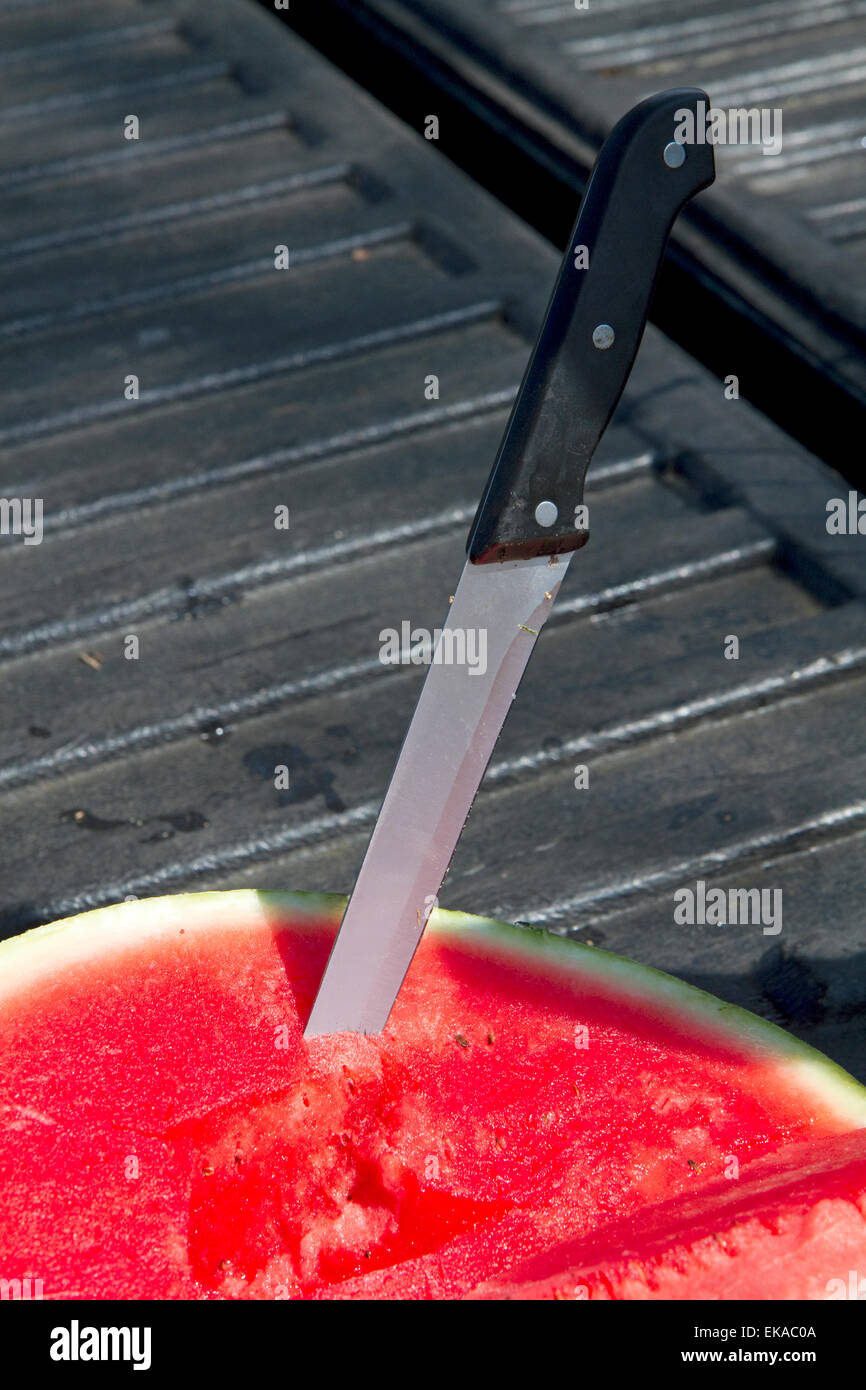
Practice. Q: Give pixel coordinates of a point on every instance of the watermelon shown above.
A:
(539, 1119)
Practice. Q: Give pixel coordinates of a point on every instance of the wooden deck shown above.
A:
(262, 388)
(784, 233)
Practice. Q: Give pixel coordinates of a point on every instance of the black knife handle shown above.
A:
(578, 367)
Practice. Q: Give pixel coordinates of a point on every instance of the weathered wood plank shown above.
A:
(101, 204)
(275, 413)
(569, 73)
(226, 645)
(60, 23)
(266, 318)
(36, 91)
(150, 775)
(88, 132)
(241, 236)
(227, 551)
(698, 794)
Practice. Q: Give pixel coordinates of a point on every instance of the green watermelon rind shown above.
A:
(124, 925)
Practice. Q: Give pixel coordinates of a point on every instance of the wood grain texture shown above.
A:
(787, 231)
(306, 389)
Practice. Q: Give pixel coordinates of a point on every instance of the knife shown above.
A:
(529, 522)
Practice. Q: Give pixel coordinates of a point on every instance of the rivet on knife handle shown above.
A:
(591, 333)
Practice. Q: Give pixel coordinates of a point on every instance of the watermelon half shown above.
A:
(540, 1119)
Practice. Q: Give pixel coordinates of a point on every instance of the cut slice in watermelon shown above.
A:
(540, 1118)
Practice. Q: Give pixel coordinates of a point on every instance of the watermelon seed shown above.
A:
(367, 1254)
(208, 1171)
(490, 1039)
(461, 1041)
(696, 1167)
(500, 1142)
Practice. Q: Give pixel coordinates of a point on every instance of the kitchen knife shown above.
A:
(529, 522)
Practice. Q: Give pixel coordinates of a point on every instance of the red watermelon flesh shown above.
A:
(794, 1224)
(539, 1119)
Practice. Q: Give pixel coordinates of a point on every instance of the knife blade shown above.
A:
(529, 522)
